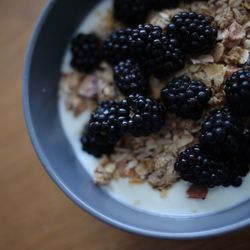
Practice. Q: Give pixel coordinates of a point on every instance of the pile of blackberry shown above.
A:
(142, 50)
(136, 115)
(200, 168)
(224, 140)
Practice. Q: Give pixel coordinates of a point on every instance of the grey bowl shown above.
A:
(42, 70)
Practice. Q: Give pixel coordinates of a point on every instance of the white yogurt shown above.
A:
(142, 196)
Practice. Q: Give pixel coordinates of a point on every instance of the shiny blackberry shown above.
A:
(131, 12)
(86, 52)
(130, 79)
(146, 115)
(221, 134)
(185, 97)
(104, 124)
(117, 47)
(90, 146)
(200, 168)
(155, 50)
(194, 32)
(237, 91)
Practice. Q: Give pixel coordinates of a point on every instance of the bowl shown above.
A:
(40, 91)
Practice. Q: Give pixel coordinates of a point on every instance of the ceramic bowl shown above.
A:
(52, 34)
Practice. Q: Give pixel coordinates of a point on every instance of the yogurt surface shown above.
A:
(142, 196)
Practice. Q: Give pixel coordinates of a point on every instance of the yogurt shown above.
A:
(142, 196)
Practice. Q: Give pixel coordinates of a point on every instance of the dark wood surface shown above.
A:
(34, 213)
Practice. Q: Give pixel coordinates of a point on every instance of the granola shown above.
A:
(152, 159)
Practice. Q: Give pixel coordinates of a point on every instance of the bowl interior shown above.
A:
(42, 72)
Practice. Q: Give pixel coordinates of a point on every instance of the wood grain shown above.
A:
(34, 214)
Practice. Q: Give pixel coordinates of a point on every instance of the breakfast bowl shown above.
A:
(50, 40)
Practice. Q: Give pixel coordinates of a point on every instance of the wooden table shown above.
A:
(34, 213)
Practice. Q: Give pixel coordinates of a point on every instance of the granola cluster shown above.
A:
(152, 159)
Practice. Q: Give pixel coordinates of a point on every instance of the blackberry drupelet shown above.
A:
(194, 32)
(131, 12)
(186, 98)
(161, 4)
(146, 115)
(237, 91)
(197, 167)
(86, 52)
(221, 134)
(130, 79)
(116, 47)
(90, 146)
(155, 50)
(104, 124)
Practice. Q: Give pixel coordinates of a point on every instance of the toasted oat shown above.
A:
(76, 104)
(204, 59)
(218, 52)
(161, 19)
(234, 35)
(102, 177)
(162, 178)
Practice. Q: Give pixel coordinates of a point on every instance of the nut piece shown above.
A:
(88, 87)
(234, 35)
(236, 55)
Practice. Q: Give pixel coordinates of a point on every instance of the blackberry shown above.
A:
(130, 78)
(197, 167)
(221, 134)
(104, 124)
(92, 147)
(237, 91)
(194, 31)
(156, 51)
(86, 52)
(161, 4)
(146, 115)
(116, 47)
(186, 98)
(131, 12)
(237, 170)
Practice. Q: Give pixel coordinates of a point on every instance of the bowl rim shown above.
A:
(49, 169)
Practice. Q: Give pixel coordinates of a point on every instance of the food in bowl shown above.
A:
(155, 104)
